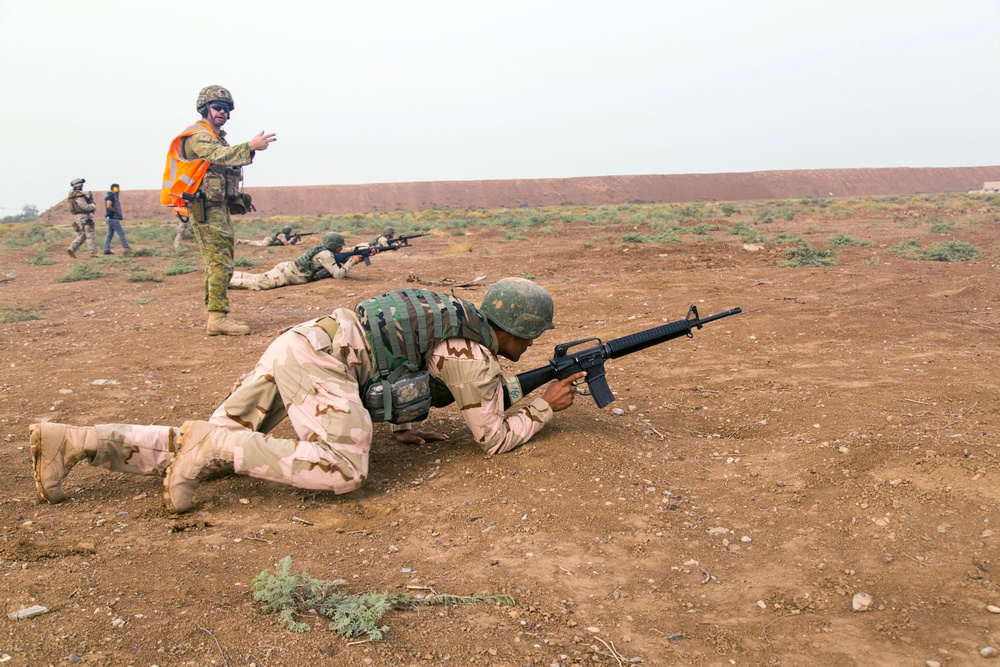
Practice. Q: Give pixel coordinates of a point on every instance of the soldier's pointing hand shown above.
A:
(262, 141)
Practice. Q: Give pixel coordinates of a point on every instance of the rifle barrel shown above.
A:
(619, 347)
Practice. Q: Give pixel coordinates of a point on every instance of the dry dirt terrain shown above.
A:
(840, 437)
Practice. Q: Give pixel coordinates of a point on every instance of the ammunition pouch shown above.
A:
(240, 204)
(196, 207)
(399, 398)
(213, 187)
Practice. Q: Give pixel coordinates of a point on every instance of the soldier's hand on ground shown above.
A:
(262, 141)
(415, 437)
(559, 394)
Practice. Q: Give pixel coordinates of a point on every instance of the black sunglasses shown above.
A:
(220, 106)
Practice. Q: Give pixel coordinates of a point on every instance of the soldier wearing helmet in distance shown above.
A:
(390, 358)
(318, 262)
(201, 181)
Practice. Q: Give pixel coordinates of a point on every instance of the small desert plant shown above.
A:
(458, 247)
(83, 271)
(746, 232)
(293, 596)
(729, 209)
(245, 261)
(11, 314)
(840, 240)
(952, 251)
(178, 267)
(910, 249)
(140, 275)
(41, 259)
(805, 254)
(141, 252)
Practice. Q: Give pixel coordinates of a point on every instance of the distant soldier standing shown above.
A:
(183, 231)
(113, 216)
(314, 264)
(83, 206)
(201, 181)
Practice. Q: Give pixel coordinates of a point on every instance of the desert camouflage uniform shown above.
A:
(215, 236)
(275, 239)
(289, 273)
(83, 206)
(184, 230)
(313, 374)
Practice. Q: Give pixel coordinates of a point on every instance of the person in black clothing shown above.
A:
(113, 216)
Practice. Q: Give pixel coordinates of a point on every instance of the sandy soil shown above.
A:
(839, 437)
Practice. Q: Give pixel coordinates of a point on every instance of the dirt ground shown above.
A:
(840, 437)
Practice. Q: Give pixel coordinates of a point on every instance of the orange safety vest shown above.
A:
(181, 177)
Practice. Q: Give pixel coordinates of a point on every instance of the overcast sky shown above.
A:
(391, 91)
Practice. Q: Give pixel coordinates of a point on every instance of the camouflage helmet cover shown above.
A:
(214, 94)
(332, 240)
(77, 181)
(519, 307)
(286, 230)
(387, 231)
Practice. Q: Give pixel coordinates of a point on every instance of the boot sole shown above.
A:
(35, 436)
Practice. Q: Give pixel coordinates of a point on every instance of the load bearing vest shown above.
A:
(183, 177)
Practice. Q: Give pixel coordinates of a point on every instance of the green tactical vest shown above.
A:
(304, 261)
(402, 328)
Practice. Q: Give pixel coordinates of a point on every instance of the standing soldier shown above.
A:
(183, 231)
(83, 206)
(201, 181)
(314, 264)
(113, 216)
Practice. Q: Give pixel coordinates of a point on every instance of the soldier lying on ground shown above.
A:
(322, 375)
(304, 269)
(283, 236)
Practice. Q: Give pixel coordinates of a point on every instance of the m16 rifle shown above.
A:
(566, 362)
(364, 253)
(404, 240)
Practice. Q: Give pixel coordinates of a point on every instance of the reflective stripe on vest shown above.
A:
(182, 176)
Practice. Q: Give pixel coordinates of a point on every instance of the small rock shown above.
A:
(861, 602)
(618, 411)
(932, 663)
(73, 657)
(993, 609)
(244, 501)
(989, 652)
(27, 612)
(594, 630)
(118, 623)
(761, 604)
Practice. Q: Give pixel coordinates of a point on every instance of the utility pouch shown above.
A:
(240, 204)
(76, 227)
(196, 209)
(400, 400)
(214, 187)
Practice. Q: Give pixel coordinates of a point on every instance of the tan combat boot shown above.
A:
(202, 448)
(219, 323)
(55, 448)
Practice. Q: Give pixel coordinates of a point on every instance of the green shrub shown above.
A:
(83, 271)
(178, 267)
(41, 259)
(24, 236)
(952, 251)
(746, 232)
(294, 596)
(910, 249)
(245, 261)
(842, 240)
(729, 209)
(11, 314)
(805, 254)
(140, 275)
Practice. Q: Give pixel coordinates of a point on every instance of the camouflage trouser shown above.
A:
(283, 274)
(216, 242)
(140, 450)
(84, 228)
(310, 374)
(183, 230)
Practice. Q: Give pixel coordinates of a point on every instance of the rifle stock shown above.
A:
(566, 363)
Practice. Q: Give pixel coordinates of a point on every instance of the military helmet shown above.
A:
(332, 240)
(387, 231)
(519, 307)
(287, 231)
(77, 181)
(213, 94)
